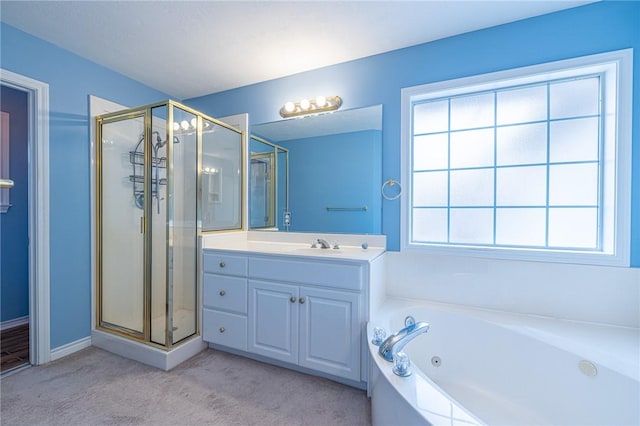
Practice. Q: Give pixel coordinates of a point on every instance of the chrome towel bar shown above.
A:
(347, 209)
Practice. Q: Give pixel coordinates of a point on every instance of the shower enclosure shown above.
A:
(149, 168)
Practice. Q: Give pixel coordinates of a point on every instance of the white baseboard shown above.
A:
(5, 325)
(69, 348)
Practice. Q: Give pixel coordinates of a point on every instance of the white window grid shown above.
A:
(613, 198)
(495, 207)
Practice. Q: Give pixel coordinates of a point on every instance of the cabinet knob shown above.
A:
(222, 292)
(292, 299)
(221, 329)
(222, 264)
(301, 300)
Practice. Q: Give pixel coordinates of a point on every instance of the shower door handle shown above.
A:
(142, 225)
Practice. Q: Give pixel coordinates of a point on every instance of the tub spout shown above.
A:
(397, 341)
(323, 243)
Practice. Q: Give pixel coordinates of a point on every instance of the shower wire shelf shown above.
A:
(140, 179)
(137, 157)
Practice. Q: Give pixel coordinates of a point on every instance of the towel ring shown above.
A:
(391, 183)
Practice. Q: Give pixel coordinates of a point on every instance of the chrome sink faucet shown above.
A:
(397, 341)
(323, 243)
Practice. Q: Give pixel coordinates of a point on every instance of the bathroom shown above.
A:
(600, 294)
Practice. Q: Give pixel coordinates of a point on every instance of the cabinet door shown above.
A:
(330, 332)
(273, 320)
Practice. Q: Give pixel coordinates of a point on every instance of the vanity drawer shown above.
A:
(223, 263)
(226, 293)
(224, 329)
(337, 275)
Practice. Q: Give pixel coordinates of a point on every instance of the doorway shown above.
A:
(14, 229)
(37, 183)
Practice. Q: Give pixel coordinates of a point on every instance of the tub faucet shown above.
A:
(394, 343)
(323, 243)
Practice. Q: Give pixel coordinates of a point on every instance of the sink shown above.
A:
(316, 251)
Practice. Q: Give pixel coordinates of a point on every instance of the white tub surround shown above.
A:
(599, 294)
(278, 300)
(500, 368)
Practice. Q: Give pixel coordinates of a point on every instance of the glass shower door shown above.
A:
(159, 181)
(222, 168)
(183, 227)
(121, 260)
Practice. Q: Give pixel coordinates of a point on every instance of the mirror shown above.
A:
(319, 173)
(268, 174)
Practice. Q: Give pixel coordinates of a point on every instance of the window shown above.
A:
(531, 163)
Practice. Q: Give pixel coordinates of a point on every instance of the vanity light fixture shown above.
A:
(191, 125)
(311, 106)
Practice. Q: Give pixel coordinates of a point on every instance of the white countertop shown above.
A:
(239, 242)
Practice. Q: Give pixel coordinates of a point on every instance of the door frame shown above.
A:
(38, 177)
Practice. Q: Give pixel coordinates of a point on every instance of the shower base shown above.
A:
(184, 322)
(149, 355)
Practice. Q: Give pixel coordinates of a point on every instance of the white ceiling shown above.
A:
(193, 48)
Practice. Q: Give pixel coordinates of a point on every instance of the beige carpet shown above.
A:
(95, 387)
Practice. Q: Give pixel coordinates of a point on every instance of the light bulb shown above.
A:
(321, 101)
(289, 106)
(184, 124)
(305, 104)
(176, 126)
(193, 122)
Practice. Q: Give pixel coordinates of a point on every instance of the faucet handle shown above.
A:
(313, 244)
(379, 334)
(401, 364)
(409, 321)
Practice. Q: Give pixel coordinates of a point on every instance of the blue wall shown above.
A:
(71, 80)
(590, 29)
(335, 171)
(14, 275)
(595, 28)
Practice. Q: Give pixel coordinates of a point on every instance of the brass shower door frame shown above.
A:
(100, 324)
(145, 112)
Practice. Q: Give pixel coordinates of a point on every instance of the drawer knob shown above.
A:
(221, 329)
(222, 292)
(292, 299)
(222, 264)
(301, 300)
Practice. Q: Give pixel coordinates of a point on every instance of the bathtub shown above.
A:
(478, 367)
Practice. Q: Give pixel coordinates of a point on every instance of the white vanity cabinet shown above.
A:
(304, 311)
(224, 299)
(313, 327)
